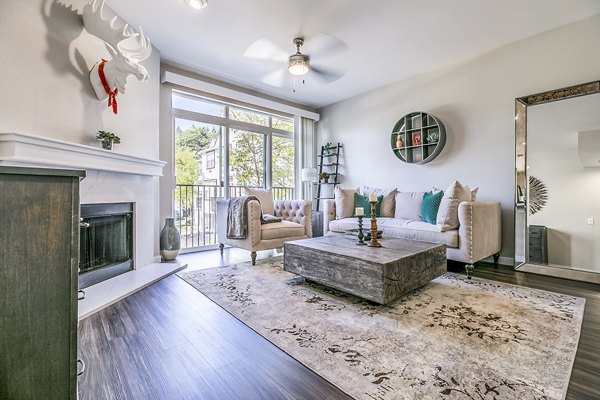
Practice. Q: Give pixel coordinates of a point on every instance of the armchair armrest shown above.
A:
(298, 211)
(254, 233)
(328, 213)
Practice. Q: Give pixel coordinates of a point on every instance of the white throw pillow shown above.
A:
(265, 196)
(344, 202)
(387, 204)
(447, 217)
(473, 191)
(409, 206)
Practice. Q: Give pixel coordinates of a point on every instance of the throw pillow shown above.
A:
(387, 204)
(344, 202)
(447, 216)
(363, 201)
(265, 196)
(409, 205)
(431, 205)
(473, 192)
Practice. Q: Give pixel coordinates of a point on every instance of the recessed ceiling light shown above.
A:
(197, 4)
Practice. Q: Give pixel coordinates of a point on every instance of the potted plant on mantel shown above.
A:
(108, 139)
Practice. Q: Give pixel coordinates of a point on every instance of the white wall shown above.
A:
(475, 100)
(45, 90)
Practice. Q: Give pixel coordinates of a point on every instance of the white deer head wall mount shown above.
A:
(126, 47)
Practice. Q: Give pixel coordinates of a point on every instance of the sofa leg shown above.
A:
(468, 268)
(221, 246)
(496, 258)
(253, 255)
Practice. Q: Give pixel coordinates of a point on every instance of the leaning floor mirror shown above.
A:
(557, 192)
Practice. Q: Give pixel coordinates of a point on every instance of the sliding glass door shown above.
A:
(219, 150)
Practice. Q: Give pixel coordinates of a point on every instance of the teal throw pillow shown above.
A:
(363, 201)
(431, 204)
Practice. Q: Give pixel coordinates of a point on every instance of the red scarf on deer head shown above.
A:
(112, 94)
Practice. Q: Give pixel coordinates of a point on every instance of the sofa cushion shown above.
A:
(420, 230)
(431, 205)
(265, 197)
(283, 229)
(403, 229)
(344, 202)
(409, 205)
(447, 216)
(388, 202)
(363, 201)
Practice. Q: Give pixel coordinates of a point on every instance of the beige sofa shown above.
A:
(477, 237)
(296, 224)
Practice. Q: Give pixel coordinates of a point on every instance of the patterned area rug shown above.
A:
(453, 338)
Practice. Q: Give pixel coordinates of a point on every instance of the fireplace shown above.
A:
(106, 242)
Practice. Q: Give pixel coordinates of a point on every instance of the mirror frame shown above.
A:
(521, 105)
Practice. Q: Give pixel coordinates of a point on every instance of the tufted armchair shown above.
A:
(296, 224)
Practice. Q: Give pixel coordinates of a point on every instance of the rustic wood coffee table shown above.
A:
(380, 274)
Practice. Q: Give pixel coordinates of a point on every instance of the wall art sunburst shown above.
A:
(538, 195)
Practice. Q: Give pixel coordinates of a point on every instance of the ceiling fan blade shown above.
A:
(276, 78)
(264, 49)
(323, 44)
(326, 75)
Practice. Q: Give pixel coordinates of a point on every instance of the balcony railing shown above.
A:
(196, 206)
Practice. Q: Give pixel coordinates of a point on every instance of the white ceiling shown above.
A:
(387, 40)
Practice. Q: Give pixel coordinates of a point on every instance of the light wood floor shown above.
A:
(168, 341)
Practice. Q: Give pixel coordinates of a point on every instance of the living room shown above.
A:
(467, 71)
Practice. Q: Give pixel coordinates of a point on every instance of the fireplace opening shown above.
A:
(105, 242)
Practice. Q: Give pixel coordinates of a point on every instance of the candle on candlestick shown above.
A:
(360, 211)
(372, 197)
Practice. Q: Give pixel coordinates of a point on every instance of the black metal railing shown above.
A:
(196, 207)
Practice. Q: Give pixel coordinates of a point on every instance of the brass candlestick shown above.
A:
(373, 242)
(360, 229)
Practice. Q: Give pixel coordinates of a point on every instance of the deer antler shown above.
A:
(102, 22)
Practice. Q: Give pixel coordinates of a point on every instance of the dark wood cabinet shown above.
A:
(39, 248)
(538, 244)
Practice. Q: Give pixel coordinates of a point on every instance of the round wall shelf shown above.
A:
(418, 138)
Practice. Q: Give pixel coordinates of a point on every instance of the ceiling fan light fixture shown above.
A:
(298, 64)
(197, 4)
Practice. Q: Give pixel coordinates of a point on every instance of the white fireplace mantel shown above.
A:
(27, 150)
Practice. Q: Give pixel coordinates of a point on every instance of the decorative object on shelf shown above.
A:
(399, 142)
(416, 139)
(324, 176)
(538, 195)
(170, 241)
(108, 139)
(433, 137)
(327, 147)
(126, 46)
(373, 200)
(423, 137)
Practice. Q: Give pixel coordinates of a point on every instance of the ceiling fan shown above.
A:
(298, 64)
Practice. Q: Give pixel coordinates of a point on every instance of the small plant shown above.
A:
(108, 138)
(327, 147)
(324, 176)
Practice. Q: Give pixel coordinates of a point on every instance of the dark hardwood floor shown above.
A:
(168, 341)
